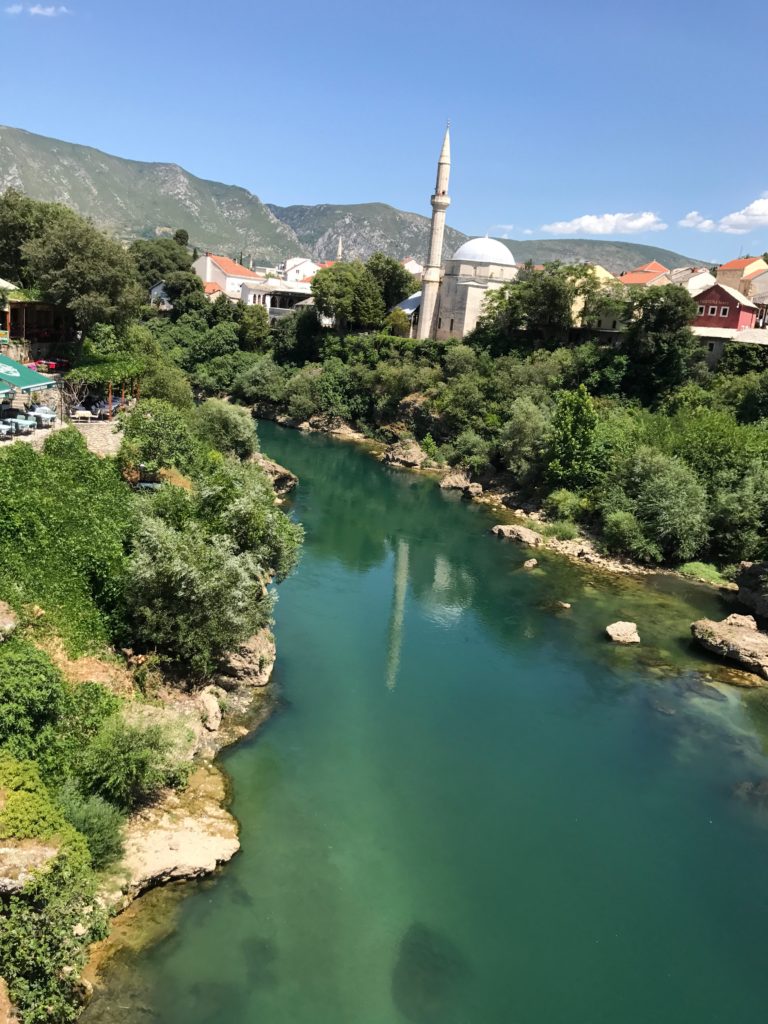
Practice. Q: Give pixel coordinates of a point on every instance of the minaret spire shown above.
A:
(431, 279)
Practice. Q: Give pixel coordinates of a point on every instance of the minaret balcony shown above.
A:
(440, 201)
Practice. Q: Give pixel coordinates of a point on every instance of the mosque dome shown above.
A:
(485, 250)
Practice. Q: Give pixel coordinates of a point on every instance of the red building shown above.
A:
(721, 306)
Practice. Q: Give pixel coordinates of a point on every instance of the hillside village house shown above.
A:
(298, 268)
(744, 274)
(724, 307)
(412, 266)
(278, 297)
(29, 327)
(226, 274)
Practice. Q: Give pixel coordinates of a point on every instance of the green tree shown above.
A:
(660, 347)
(158, 258)
(572, 452)
(190, 597)
(227, 428)
(181, 237)
(80, 268)
(394, 282)
(157, 435)
(253, 327)
(349, 293)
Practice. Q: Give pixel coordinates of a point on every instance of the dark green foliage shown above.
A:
(665, 514)
(157, 259)
(191, 597)
(350, 294)
(65, 519)
(394, 282)
(157, 435)
(572, 457)
(127, 765)
(97, 820)
(33, 697)
(226, 428)
(237, 501)
(661, 349)
(78, 267)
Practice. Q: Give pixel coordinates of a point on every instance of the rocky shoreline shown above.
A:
(188, 834)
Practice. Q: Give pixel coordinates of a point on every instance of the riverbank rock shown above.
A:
(405, 453)
(8, 621)
(752, 581)
(521, 534)
(185, 835)
(7, 1016)
(251, 664)
(530, 563)
(473, 490)
(623, 633)
(736, 638)
(209, 702)
(20, 859)
(283, 480)
(455, 480)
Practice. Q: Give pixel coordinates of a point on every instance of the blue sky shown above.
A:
(602, 119)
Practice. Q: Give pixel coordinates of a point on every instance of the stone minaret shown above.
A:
(431, 279)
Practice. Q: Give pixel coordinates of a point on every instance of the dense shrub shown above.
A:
(157, 435)
(129, 764)
(227, 428)
(97, 820)
(191, 597)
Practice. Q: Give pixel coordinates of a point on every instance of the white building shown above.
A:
(412, 266)
(299, 268)
(453, 294)
(278, 297)
(224, 272)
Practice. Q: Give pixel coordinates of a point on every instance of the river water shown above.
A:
(470, 808)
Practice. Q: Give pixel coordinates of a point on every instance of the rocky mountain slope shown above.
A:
(142, 200)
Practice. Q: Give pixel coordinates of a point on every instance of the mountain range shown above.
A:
(136, 199)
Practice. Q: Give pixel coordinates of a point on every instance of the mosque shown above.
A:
(451, 298)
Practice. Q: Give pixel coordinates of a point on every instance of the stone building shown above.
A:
(452, 295)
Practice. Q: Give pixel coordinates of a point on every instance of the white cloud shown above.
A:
(607, 224)
(39, 10)
(695, 220)
(739, 223)
(527, 231)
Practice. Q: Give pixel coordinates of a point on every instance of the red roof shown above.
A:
(328, 263)
(211, 287)
(653, 267)
(738, 264)
(230, 268)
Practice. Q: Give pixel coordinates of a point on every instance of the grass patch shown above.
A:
(703, 571)
(562, 529)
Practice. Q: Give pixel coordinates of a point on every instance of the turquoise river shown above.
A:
(469, 807)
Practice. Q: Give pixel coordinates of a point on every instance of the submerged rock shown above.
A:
(563, 606)
(623, 633)
(511, 531)
(736, 638)
(428, 970)
(530, 563)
